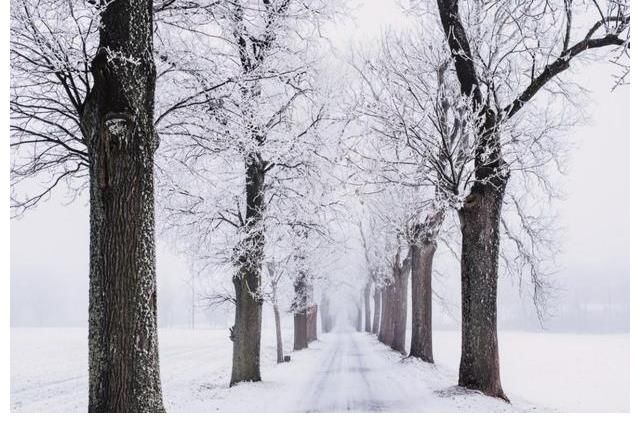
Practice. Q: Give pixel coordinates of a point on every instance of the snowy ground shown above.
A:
(341, 372)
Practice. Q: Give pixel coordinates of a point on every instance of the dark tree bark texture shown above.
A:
(117, 121)
(480, 222)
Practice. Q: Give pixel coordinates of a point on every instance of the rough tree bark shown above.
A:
(376, 310)
(401, 282)
(117, 121)
(480, 223)
(246, 331)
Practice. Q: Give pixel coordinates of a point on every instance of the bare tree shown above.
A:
(530, 45)
(87, 121)
(234, 170)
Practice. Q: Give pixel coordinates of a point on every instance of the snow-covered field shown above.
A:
(342, 371)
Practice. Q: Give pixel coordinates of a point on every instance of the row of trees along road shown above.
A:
(219, 117)
(452, 126)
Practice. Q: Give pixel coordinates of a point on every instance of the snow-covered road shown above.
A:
(352, 377)
(353, 372)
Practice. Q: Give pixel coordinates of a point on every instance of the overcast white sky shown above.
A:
(49, 246)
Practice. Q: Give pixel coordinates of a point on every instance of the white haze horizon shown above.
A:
(49, 245)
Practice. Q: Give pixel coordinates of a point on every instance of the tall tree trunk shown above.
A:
(400, 323)
(300, 340)
(367, 307)
(376, 310)
(422, 251)
(480, 222)
(358, 318)
(421, 295)
(246, 332)
(117, 122)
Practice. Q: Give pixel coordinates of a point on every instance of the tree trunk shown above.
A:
(279, 351)
(300, 340)
(479, 361)
(246, 331)
(421, 296)
(388, 314)
(480, 222)
(376, 310)
(117, 122)
(300, 330)
(367, 307)
(358, 319)
(400, 323)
